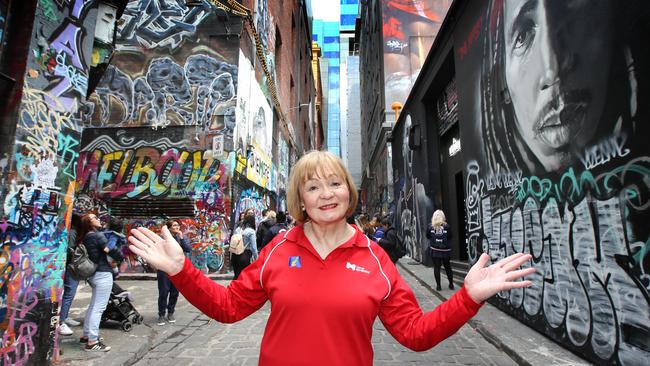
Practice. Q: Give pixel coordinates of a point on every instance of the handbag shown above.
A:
(79, 265)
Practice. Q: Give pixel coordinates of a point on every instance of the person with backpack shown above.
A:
(101, 282)
(264, 226)
(248, 237)
(280, 226)
(390, 241)
(439, 236)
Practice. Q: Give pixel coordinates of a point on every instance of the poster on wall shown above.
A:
(254, 115)
(409, 29)
(553, 101)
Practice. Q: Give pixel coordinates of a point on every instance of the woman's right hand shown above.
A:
(164, 253)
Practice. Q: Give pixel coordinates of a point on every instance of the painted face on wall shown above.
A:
(326, 197)
(557, 62)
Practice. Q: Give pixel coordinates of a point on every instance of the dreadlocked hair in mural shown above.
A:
(504, 148)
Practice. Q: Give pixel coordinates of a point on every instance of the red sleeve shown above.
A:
(229, 304)
(401, 315)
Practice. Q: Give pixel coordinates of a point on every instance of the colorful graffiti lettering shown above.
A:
(591, 284)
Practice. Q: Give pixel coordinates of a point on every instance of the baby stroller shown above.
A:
(120, 309)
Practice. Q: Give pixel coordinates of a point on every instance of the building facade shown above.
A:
(530, 145)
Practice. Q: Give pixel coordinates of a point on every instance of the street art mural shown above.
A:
(38, 181)
(409, 28)
(553, 100)
(169, 70)
(135, 164)
(412, 206)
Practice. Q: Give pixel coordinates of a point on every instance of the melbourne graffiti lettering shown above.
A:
(135, 164)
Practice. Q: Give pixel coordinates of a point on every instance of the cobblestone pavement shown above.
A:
(196, 340)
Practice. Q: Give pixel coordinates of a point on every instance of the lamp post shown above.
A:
(396, 107)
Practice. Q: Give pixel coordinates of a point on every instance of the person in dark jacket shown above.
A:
(439, 236)
(101, 282)
(280, 226)
(390, 241)
(69, 283)
(167, 292)
(263, 227)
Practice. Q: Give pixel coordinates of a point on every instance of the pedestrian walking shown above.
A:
(241, 261)
(279, 227)
(167, 292)
(101, 282)
(439, 235)
(264, 226)
(326, 281)
(69, 284)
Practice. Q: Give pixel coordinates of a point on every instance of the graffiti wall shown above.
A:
(412, 205)
(553, 101)
(135, 165)
(409, 28)
(169, 70)
(38, 181)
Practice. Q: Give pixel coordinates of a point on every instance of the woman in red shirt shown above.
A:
(327, 282)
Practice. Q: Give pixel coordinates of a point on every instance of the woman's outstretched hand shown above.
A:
(483, 282)
(164, 253)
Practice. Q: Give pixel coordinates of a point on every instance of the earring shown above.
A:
(505, 96)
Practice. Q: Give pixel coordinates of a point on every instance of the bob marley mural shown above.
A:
(554, 109)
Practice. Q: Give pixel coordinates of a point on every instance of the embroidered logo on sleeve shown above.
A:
(356, 268)
(294, 262)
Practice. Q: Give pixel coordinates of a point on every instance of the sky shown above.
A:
(327, 10)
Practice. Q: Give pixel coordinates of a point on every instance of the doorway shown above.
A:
(461, 217)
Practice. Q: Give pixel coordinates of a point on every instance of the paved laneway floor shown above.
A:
(196, 340)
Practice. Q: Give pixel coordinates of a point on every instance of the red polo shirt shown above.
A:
(322, 310)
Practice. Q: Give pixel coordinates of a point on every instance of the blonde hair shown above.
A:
(438, 219)
(311, 164)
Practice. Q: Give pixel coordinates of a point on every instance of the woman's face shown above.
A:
(176, 227)
(326, 197)
(557, 62)
(94, 222)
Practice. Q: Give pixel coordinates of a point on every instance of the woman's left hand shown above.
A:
(482, 282)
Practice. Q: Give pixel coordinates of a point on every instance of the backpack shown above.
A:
(79, 265)
(236, 244)
(400, 248)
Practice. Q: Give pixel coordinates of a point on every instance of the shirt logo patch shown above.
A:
(356, 268)
(294, 262)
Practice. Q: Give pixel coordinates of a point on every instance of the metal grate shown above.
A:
(151, 208)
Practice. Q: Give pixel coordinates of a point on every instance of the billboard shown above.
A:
(409, 28)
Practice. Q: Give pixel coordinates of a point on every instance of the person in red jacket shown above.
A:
(327, 281)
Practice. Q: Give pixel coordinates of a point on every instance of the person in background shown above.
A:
(390, 242)
(116, 241)
(167, 292)
(279, 227)
(264, 226)
(326, 281)
(379, 229)
(69, 283)
(241, 261)
(366, 226)
(439, 236)
(101, 282)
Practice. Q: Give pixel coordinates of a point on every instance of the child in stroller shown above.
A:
(120, 309)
